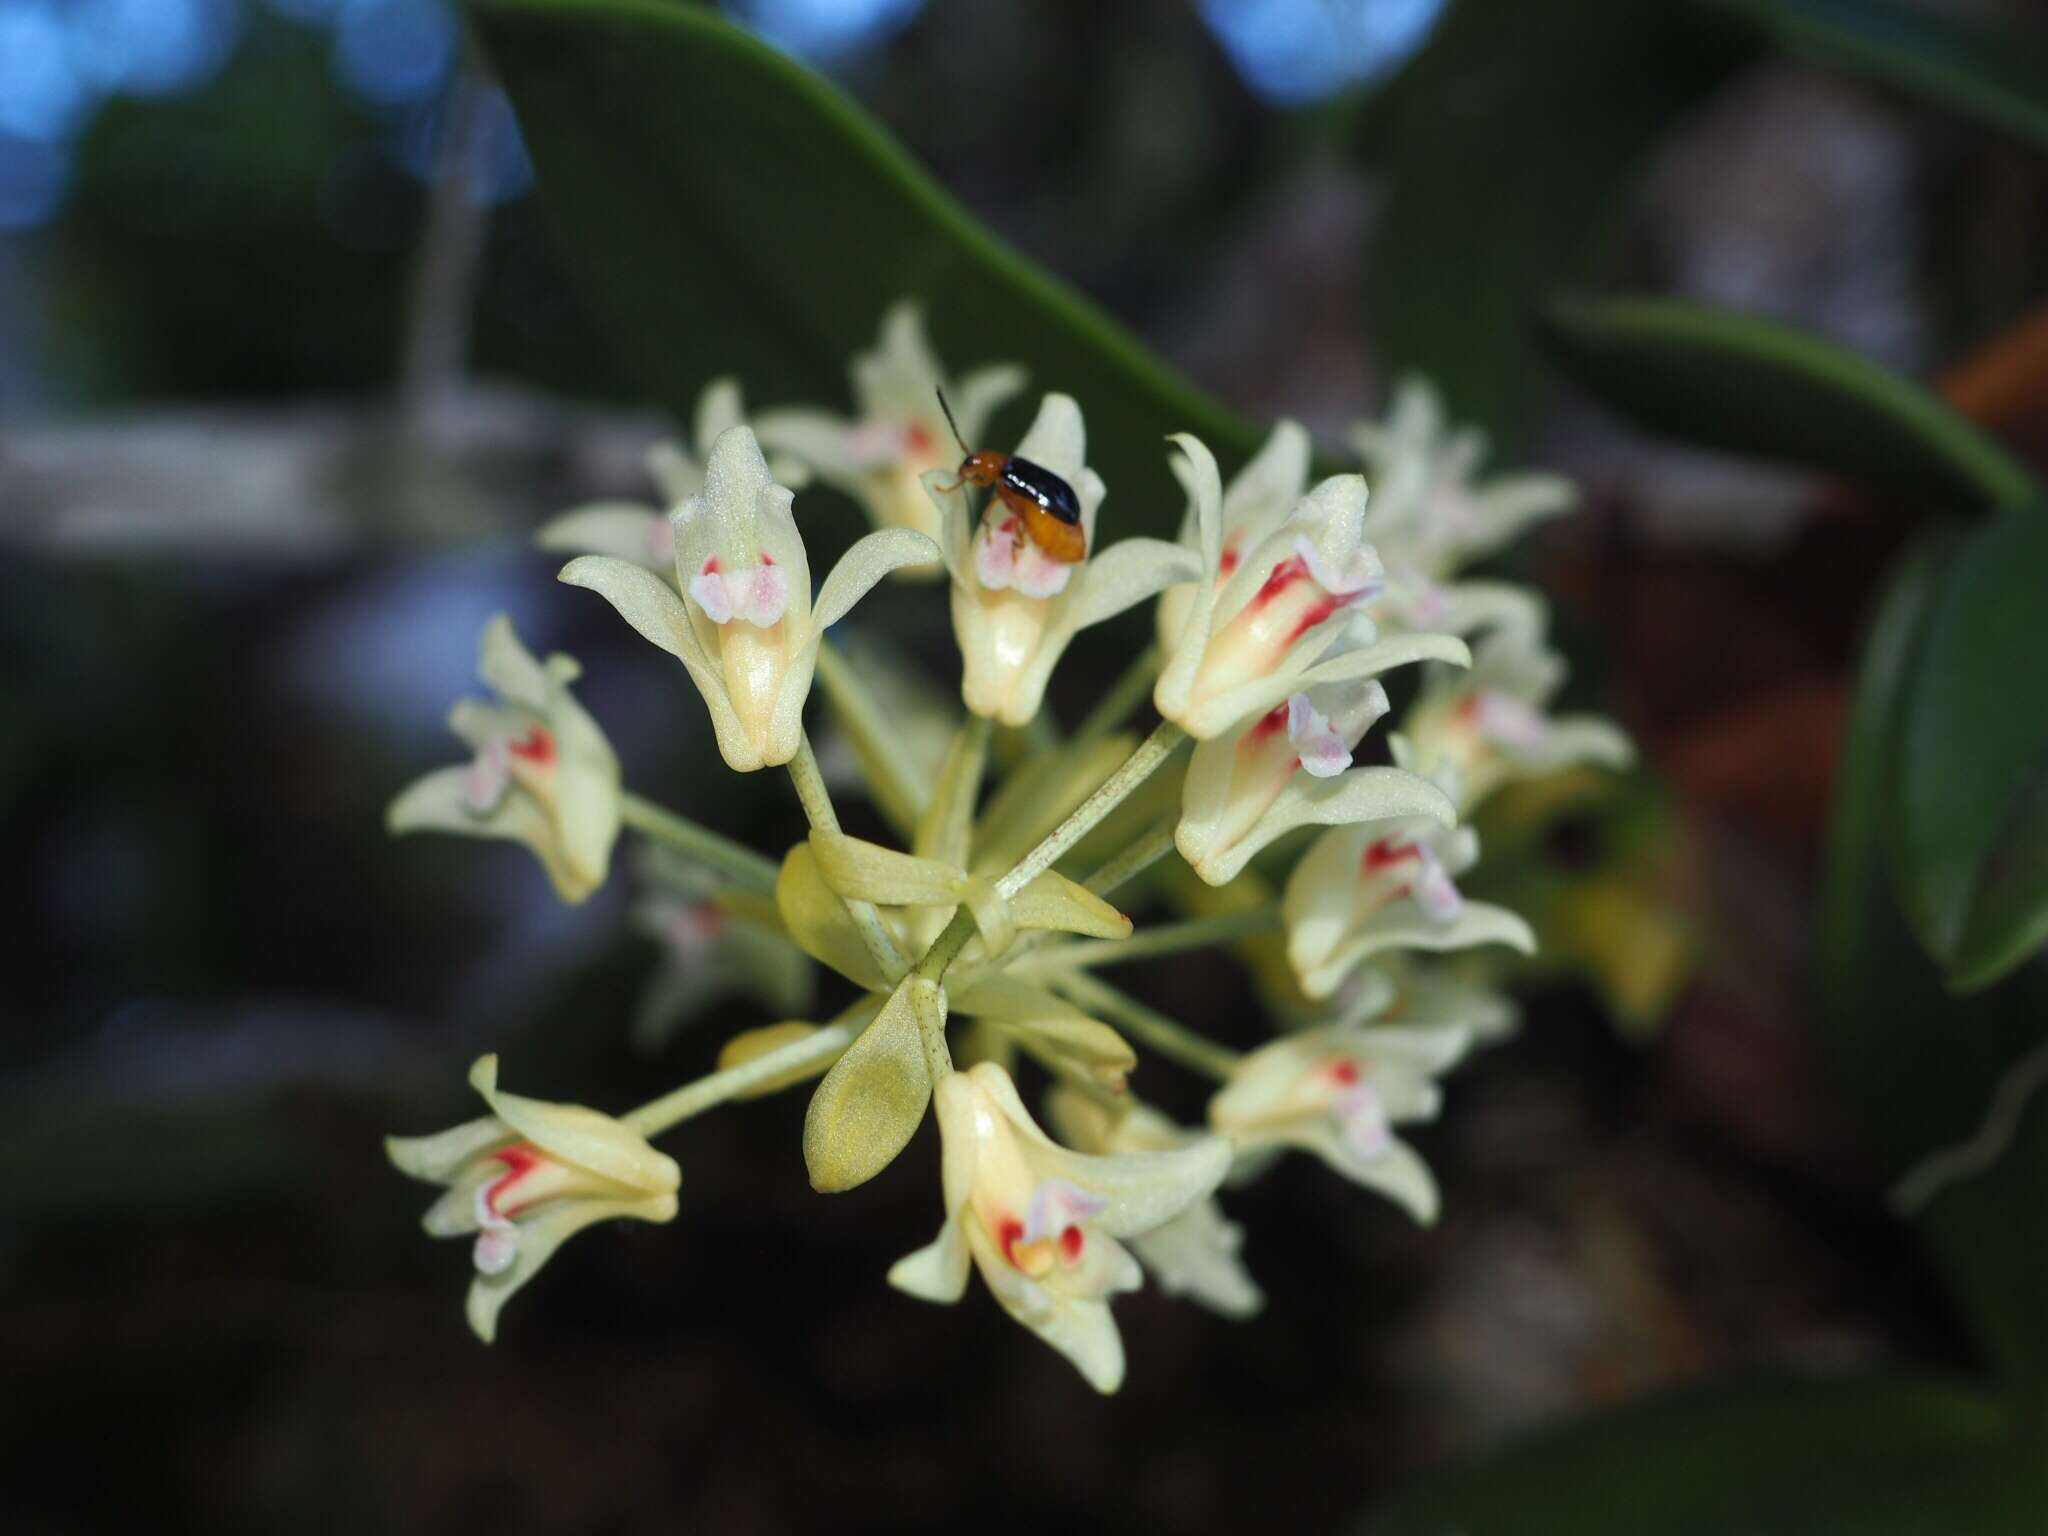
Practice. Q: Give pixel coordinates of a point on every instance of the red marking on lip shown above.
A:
(1008, 1236)
(1284, 575)
(1316, 614)
(919, 440)
(1385, 855)
(1289, 571)
(519, 1161)
(1071, 1241)
(1229, 561)
(1345, 1071)
(536, 746)
(711, 566)
(1468, 708)
(766, 558)
(1274, 720)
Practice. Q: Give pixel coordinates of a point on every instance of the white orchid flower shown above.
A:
(1256, 501)
(1255, 638)
(1288, 768)
(899, 433)
(528, 1177)
(712, 947)
(543, 773)
(1430, 518)
(1043, 1224)
(630, 530)
(1475, 731)
(1365, 889)
(1419, 988)
(1338, 1092)
(743, 623)
(1430, 515)
(1194, 1255)
(1015, 609)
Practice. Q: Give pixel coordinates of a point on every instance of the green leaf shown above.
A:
(1969, 814)
(1880, 1456)
(1919, 1067)
(1724, 380)
(1996, 75)
(1503, 144)
(725, 210)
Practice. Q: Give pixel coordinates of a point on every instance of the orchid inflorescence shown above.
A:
(1279, 609)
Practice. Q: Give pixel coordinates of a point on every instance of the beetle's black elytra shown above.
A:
(1041, 485)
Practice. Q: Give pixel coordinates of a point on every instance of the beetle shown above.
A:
(1045, 503)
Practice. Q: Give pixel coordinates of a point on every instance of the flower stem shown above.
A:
(1125, 695)
(809, 781)
(671, 1109)
(714, 850)
(1167, 939)
(947, 946)
(817, 804)
(1171, 1039)
(1155, 749)
(946, 830)
(928, 1004)
(1154, 844)
(893, 778)
(1151, 846)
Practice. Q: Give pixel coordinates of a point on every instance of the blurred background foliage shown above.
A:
(311, 309)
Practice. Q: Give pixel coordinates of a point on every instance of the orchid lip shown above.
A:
(495, 1250)
(1321, 750)
(488, 777)
(1358, 581)
(1363, 1117)
(759, 594)
(1057, 1205)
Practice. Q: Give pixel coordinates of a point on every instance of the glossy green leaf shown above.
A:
(1920, 1068)
(725, 210)
(1725, 380)
(1997, 75)
(1503, 145)
(1969, 815)
(1882, 1456)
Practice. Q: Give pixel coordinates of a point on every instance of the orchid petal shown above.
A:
(622, 530)
(1143, 1189)
(938, 1271)
(865, 563)
(439, 802)
(651, 605)
(438, 1158)
(1124, 575)
(1403, 925)
(573, 1134)
(539, 1236)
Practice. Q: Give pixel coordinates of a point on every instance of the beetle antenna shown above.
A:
(964, 449)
